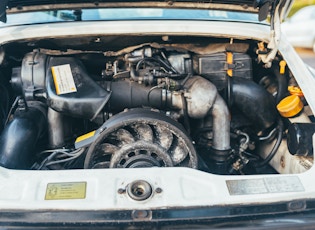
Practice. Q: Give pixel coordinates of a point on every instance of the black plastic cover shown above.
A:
(300, 139)
(86, 102)
(214, 67)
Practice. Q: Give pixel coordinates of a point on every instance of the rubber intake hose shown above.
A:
(128, 94)
(282, 86)
(254, 102)
(20, 137)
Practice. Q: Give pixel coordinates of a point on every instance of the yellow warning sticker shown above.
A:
(85, 136)
(63, 79)
(65, 191)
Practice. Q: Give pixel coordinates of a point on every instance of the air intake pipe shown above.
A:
(201, 97)
(20, 137)
(254, 102)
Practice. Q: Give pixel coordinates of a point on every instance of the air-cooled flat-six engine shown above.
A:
(150, 105)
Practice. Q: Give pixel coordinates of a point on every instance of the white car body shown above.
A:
(188, 193)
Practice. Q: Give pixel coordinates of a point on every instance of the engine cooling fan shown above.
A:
(141, 138)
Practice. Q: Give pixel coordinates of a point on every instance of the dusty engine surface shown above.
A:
(143, 106)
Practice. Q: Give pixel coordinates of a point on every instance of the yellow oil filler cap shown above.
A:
(290, 106)
(295, 90)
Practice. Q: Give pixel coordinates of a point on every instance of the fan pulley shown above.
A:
(141, 138)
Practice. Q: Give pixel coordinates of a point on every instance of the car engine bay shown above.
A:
(149, 101)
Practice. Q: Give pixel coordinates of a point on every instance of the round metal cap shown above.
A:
(139, 190)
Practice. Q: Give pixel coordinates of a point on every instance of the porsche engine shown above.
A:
(144, 106)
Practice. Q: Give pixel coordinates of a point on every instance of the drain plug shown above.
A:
(139, 190)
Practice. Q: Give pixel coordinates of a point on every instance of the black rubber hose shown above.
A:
(20, 137)
(282, 86)
(254, 102)
(127, 94)
(275, 147)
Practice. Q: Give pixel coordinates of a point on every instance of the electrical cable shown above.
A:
(66, 160)
(12, 108)
(66, 155)
(269, 135)
(275, 147)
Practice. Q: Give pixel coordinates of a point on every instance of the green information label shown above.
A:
(65, 191)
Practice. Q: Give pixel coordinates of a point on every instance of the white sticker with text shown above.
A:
(63, 79)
